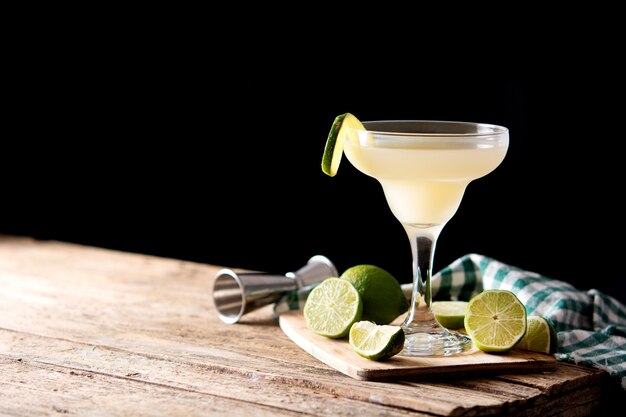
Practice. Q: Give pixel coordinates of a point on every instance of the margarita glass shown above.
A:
(424, 168)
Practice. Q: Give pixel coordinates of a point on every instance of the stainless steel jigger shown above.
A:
(236, 294)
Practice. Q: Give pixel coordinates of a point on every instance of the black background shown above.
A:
(190, 158)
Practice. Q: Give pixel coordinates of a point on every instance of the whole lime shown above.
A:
(383, 299)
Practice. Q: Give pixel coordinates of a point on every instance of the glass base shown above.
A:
(435, 344)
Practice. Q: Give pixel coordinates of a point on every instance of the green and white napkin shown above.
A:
(591, 326)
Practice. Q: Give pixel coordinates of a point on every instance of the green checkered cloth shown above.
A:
(591, 326)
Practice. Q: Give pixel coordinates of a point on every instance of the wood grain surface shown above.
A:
(88, 331)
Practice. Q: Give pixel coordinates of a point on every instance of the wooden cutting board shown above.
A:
(338, 354)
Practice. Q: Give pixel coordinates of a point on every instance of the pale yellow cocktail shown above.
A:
(424, 183)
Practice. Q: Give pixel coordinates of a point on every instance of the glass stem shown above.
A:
(420, 317)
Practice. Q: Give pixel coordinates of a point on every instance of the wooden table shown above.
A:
(88, 331)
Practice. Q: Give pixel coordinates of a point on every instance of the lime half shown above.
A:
(450, 314)
(334, 144)
(495, 320)
(332, 307)
(376, 342)
(540, 336)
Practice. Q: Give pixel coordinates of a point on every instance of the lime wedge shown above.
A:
(450, 314)
(334, 144)
(376, 342)
(332, 307)
(495, 320)
(540, 336)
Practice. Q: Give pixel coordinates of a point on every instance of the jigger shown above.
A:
(236, 294)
